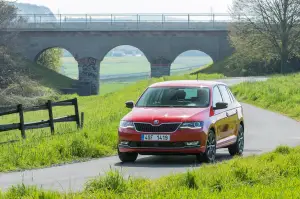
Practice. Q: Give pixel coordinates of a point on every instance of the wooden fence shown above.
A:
(22, 126)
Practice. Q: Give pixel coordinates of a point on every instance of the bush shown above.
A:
(51, 58)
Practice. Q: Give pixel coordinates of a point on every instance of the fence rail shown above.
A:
(147, 21)
(22, 126)
(123, 17)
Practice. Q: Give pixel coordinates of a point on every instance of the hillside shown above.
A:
(220, 67)
(22, 81)
(29, 9)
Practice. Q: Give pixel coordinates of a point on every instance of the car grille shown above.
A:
(146, 127)
(156, 144)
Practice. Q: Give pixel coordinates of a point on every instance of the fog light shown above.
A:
(195, 143)
(124, 142)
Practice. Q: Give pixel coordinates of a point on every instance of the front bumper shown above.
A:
(130, 141)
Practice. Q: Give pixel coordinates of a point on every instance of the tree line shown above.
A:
(265, 36)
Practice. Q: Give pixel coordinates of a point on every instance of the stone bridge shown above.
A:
(161, 44)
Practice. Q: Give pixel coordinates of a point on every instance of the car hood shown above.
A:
(163, 114)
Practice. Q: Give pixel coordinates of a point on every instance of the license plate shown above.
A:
(155, 137)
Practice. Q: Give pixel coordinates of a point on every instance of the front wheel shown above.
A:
(238, 147)
(127, 156)
(209, 156)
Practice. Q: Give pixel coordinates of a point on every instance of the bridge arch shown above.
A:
(189, 60)
(122, 64)
(68, 65)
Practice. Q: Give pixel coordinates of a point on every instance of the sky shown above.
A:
(132, 6)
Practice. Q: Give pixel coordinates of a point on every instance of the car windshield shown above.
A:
(175, 97)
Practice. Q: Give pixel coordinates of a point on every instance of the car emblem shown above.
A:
(155, 122)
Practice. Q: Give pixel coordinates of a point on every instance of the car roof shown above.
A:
(187, 83)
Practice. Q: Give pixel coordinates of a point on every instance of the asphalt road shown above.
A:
(264, 131)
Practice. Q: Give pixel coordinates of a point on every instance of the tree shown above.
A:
(266, 29)
(9, 17)
(51, 59)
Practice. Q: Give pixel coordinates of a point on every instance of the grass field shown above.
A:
(97, 139)
(128, 65)
(272, 175)
(279, 93)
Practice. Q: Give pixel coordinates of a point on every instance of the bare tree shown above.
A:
(269, 27)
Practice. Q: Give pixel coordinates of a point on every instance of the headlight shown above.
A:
(126, 124)
(192, 125)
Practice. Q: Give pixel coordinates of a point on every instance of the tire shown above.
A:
(238, 147)
(209, 156)
(127, 156)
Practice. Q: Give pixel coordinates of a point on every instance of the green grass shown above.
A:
(279, 93)
(48, 77)
(217, 67)
(97, 139)
(109, 87)
(128, 65)
(271, 175)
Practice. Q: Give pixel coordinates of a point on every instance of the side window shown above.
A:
(231, 95)
(216, 96)
(225, 94)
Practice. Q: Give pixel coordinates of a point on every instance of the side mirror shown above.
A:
(221, 105)
(129, 104)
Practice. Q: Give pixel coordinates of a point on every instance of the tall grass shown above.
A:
(97, 139)
(272, 175)
(279, 93)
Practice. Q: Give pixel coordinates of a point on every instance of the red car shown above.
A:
(185, 117)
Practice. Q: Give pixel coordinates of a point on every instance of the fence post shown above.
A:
(77, 113)
(51, 122)
(35, 20)
(86, 20)
(22, 126)
(82, 120)
(59, 20)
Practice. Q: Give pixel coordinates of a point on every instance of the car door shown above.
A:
(220, 115)
(231, 111)
(235, 107)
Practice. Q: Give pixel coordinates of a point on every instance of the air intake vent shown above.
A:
(157, 144)
(146, 127)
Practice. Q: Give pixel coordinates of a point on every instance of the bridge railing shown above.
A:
(125, 21)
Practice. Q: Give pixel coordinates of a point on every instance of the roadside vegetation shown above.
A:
(272, 175)
(279, 93)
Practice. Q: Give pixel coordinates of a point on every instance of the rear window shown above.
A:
(175, 97)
